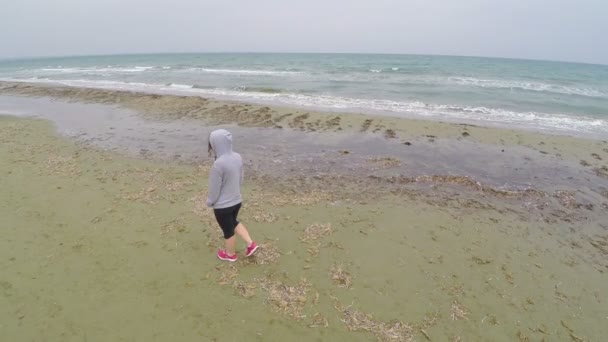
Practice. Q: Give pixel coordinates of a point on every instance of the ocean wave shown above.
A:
(483, 115)
(108, 69)
(531, 86)
(384, 70)
(247, 72)
(180, 86)
(267, 90)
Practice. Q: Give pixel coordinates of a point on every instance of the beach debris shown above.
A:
(573, 336)
(567, 199)
(601, 171)
(470, 182)
(268, 253)
(429, 321)
(407, 143)
(318, 321)
(333, 122)
(394, 331)
(146, 195)
(174, 226)
(459, 311)
(344, 152)
(481, 261)
(62, 165)
(456, 289)
(228, 274)
(601, 243)
(340, 276)
(244, 290)
(299, 121)
(522, 337)
(285, 299)
(425, 334)
(366, 125)
(491, 319)
(279, 199)
(596, 156)
(584, 163)
(178, 185)
(390, 134)
(385, 162)
(265, 217)
(316, 231)
(508, 275)
(465, 134)
(314, 249)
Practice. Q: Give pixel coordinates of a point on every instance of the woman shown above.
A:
(225, 180)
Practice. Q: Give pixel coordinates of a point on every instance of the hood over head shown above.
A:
(221, 142)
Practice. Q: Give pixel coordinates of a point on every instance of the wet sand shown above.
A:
(364, 236)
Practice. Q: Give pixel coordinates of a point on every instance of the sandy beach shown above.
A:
(372, 228)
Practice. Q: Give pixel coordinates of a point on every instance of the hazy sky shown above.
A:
(571, 30)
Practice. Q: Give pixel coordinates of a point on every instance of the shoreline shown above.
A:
(358, 117)
(429, 147)
(466, 265)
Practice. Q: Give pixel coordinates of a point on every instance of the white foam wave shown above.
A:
(532, 86)
(382, 70)
(497, 116)
(108, 69)
(539, 121)
(247, 72)
(180, 86)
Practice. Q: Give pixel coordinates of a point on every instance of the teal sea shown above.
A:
(558, 97)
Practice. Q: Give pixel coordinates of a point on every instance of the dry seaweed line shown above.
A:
(316, 231)
(394, 331)
(265, 217)
(340, 276)
(285, 299)
(244, 290)
(62, 165)
(227, 275)
(385, 162)
(318, 321)
(146, 195)
(459, 311)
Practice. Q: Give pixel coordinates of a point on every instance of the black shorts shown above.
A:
(226, 218)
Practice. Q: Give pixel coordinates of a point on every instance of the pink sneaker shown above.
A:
(251, 249)
(224, 256)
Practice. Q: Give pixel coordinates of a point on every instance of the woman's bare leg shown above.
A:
(231, 245)
(243, 233)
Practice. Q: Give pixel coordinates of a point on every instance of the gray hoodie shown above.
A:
(226, 175)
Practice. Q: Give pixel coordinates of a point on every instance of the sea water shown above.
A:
(541, 95)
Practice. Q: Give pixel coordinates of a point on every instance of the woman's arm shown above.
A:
(215, 185)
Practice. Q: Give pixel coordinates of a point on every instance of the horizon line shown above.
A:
(4, 59)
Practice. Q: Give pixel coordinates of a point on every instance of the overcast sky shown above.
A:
(570, 30)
